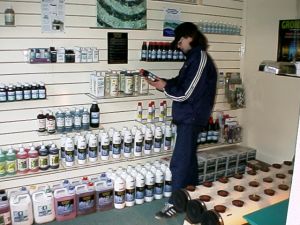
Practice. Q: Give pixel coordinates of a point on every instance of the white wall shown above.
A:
(272, 101)
(68, 84)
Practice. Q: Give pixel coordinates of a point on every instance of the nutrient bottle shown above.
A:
(94, 115)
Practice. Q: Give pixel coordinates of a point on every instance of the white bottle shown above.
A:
(133, 173)
(81, 150)
(105, 143)
(158, 138)
(69, 152)
(138, 143)
(93, 148)
(159, 184)
(143, 171)
(130, 191)
(168, 138)
(119, 193)
(148, 141)
(43, 207)
(21, 209)
(147, 165)
(116, 145)
(168, 183)
(127, 149)
(140, 189)
(149, 186)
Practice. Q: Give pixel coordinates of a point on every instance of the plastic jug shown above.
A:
(85, 199)
(21, 209)
(43, 207)
(64, 204)
(5, 218)
(104, 195)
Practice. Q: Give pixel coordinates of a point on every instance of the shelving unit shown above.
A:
(90, 169)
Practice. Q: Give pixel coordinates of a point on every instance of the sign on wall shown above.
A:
(53, 15)
(288, 41)
(172, 20)
(123, 14)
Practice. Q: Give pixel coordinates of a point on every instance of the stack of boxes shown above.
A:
(223, 161)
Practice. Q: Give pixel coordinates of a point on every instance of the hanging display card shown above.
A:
(289, 41)
(117, 48)
(53, 15)
(172, 20)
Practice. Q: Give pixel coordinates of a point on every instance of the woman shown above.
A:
(193, 93)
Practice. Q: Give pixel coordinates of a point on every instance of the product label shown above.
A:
(127, 147)
(86, 202)
(44, 210)
(158, 189)
(41, 124)
(5, 218)
(105, 198)
(157, 142)
(168, 186)
(42, 93)
(11, 166)
(20, 216)
(33, 163)
(50, 125)
(140, 192)
(148, 144)
(68, 122)
(77, 121)
(130, 194)
(69, 155)
(119, 197)
(22, 164)
(9, 18)
(85, 119)
(65, 207)
(27, 94)
(2, 96)
(128, 85)
(93, 152)
(82, 153)
(34, 94)
(105, 150)
(149, 190)
(95, 117)
(60, 122)
(116, 149)
(2, 169)
(11, 96)
(19, 95)
(138, 146)
(43, 161)
(54, 160)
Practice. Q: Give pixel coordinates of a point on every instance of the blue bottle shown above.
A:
(60, 121)
(53, 157)
(68, 121)
(85, 119)
(77, 120)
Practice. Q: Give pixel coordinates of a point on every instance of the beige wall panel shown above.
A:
(197, 9)
(234, 4)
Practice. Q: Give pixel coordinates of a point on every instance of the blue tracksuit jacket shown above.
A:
(193, 90)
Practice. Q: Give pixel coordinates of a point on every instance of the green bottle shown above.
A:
(11, 162)
(2, 164)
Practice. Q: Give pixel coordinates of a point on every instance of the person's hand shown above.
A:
(158, 83)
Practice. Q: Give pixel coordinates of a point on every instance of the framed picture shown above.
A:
(122, 14)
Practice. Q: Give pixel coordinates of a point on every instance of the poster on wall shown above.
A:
(122, 14)
(172, 20)
(117, 48)
(288, 41)
(53, 15)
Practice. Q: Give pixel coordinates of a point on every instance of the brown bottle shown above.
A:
(51, 123)
(41, 122)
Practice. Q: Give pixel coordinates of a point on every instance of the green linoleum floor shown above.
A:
(136, 215)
